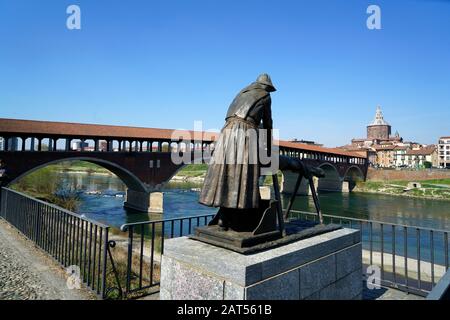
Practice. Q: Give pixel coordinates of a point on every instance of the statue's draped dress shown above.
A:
(232, 180)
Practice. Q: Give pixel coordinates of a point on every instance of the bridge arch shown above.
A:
(332, 181)
(128, 178)
(353, 175)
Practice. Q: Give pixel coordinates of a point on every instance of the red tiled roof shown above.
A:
(382, 148)
(16, 126)
(89, 130)
(308, 147)
(422, 151)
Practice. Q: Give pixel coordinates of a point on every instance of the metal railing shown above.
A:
(411, 259)
(77, 243)
(145, 241)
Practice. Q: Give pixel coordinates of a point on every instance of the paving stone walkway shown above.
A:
(27, 273)
(388, 294)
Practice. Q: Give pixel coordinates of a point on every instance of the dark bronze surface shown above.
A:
(246, 243)
(244, 222)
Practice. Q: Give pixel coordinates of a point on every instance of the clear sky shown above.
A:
(169, 63)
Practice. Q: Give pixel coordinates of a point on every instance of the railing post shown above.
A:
(129, 259)
(105, 262)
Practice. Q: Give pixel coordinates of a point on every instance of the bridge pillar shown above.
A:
(330, 184)
(144, 201)
(288, 184)
(345, 187)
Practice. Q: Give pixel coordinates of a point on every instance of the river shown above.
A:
(180, 200)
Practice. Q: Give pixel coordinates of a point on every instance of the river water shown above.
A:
(180, 200)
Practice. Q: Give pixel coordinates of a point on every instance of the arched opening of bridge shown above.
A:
(70, 182)
(352, 177)
(332, 181)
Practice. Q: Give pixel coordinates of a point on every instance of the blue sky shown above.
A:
(170, 63)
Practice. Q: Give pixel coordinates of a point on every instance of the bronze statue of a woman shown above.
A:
(231, 182)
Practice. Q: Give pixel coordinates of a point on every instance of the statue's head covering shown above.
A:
(265, 79)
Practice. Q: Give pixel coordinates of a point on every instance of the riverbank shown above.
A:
(427, 189)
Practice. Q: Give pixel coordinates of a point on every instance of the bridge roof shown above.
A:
(313, 148)
(68, 129)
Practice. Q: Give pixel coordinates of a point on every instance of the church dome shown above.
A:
(379, 119)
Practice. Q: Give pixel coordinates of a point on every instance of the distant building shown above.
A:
(103, 146)
(2, 143)
(385, 155)
(379, 129)
(384, 150)
(379, 145)
(306, 142)
(378, 133)
(416, 158)
(79, 145)
(444, 152)
(399, 156)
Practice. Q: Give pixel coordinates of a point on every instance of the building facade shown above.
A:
(387, 151)
(421, 157)
(444, 152)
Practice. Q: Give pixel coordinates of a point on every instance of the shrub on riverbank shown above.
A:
(44, 184)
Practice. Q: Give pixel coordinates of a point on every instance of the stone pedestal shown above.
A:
(328, 266)
(151, 202)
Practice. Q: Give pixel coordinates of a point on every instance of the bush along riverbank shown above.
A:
(438, 189)
(44, 184)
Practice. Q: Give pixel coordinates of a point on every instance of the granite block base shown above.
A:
(327, 266)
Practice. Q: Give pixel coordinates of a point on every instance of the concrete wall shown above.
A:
(409, 175)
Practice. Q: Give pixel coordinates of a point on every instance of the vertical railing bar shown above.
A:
(105, 261)
(52, 232)
(89, 255)
(129, 258)
(163, 232)
(141, 256)
(432, 257)
(371, 242)
(74, 231)
(49, 231)
(99, 259)
(393, 254)
(446, 250)
(43, 229)
(94, 257)
(77, 245)
(66, 226)
(153, 252)
(419, 282)
(190, 225)
(382, 250)
(59, 232)
(84, 249)
(405, 244)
